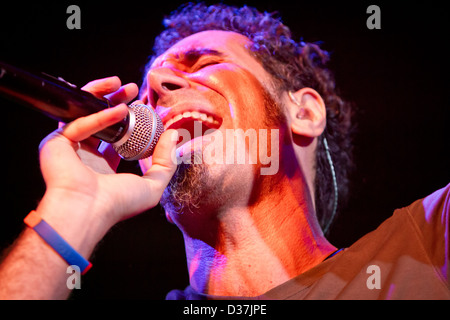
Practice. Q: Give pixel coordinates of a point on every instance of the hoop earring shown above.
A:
(330, 162)
(335, 186)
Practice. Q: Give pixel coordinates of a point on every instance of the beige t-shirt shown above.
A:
(406, 257)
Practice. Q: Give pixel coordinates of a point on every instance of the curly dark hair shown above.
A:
(293, 66)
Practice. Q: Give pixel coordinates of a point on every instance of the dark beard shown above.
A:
(184, 192)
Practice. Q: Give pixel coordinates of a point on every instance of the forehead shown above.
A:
(228, 43)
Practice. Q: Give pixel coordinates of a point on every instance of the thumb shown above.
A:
(163, 161)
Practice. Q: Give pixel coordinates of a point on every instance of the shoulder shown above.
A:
(438, 201)
(431, 214)
(429, 220)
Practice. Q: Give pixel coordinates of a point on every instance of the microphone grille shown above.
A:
(145, 128)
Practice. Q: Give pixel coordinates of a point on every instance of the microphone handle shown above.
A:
(56, 99)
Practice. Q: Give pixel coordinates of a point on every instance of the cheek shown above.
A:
(241, 89)
(249, 105)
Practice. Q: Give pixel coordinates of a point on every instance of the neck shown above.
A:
(249, 250)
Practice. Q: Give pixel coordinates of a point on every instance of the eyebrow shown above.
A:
(191, 56)
(194, 54)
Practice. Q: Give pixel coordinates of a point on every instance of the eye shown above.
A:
(205, 63)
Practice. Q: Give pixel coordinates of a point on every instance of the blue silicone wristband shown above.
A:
(54, 240)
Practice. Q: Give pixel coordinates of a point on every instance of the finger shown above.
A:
(124, 94)
(102, 87)
(82, 128)
(90, 142)
(57, 157)
(163, 162)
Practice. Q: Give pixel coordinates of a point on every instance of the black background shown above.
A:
(396, 76)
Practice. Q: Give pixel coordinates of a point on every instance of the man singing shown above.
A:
(247, 232)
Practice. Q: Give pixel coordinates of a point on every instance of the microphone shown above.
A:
(133, 138)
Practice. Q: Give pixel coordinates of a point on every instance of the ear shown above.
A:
(307, 113)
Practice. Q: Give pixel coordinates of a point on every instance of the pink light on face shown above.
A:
(231, 110)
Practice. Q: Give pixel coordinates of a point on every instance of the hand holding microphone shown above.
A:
(81, 180)
(80, 177)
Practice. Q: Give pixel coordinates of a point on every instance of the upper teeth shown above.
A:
(202, 117)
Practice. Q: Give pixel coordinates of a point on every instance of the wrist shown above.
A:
(74, 217)
(56, 242)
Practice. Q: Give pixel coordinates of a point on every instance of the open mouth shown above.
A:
(195, 123)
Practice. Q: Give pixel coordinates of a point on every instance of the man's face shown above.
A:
(210, 77)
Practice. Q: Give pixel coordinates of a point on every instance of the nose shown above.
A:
(163, 82)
